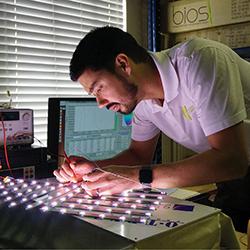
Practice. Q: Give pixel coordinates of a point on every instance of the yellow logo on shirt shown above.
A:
(186, 112)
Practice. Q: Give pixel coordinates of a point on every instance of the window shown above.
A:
(37, 38)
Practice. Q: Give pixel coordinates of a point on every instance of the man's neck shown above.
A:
(150, 81)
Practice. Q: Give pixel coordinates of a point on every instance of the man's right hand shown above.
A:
(75, 170)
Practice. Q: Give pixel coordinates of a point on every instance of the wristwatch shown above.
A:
(146, 175)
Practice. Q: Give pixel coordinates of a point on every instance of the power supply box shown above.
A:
(16, 126)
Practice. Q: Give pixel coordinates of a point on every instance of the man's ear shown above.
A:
(122, 63)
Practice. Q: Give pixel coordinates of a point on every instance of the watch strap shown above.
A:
(146, 175)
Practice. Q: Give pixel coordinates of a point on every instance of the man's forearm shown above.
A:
(208, 167)
(204, 168)
(127, 157)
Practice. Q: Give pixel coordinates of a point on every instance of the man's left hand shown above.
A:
(111, 180)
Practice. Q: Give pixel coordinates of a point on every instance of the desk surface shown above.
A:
(203, 188)
(190, 192)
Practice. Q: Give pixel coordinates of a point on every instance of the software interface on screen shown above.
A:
(86, 130)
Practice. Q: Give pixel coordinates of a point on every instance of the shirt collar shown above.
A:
(167, 73)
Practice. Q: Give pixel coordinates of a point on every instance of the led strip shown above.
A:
(131, 206)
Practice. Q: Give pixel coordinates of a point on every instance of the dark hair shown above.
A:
(99, 48)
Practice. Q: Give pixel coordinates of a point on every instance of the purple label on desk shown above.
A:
(181, 207)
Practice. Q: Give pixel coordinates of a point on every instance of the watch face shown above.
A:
(145, 175)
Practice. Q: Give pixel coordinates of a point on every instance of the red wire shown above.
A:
(66, 157)
(5, 148)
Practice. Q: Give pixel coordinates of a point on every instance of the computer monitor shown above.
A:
(79, 127)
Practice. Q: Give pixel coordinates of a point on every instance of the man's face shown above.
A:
(112, 90)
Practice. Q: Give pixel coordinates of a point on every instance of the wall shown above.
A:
(137, 20)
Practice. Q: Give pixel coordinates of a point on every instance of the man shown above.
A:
(196, 93)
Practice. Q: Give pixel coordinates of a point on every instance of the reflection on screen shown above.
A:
(86, 130)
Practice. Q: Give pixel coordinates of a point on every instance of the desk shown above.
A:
(228, 238)
(211, 233)
(203, 188)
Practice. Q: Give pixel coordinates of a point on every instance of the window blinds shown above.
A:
(37, 39)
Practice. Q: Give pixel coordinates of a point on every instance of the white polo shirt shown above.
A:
(202, 82)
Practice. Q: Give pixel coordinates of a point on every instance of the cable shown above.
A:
(41, 143)
(10, 99)
(7, 105)
(48, 152)
(123, 177)
(117, 175)
(5, 148)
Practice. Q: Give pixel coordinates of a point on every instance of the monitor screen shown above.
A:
(79, 127)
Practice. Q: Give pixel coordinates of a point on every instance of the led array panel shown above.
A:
(49, 195)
